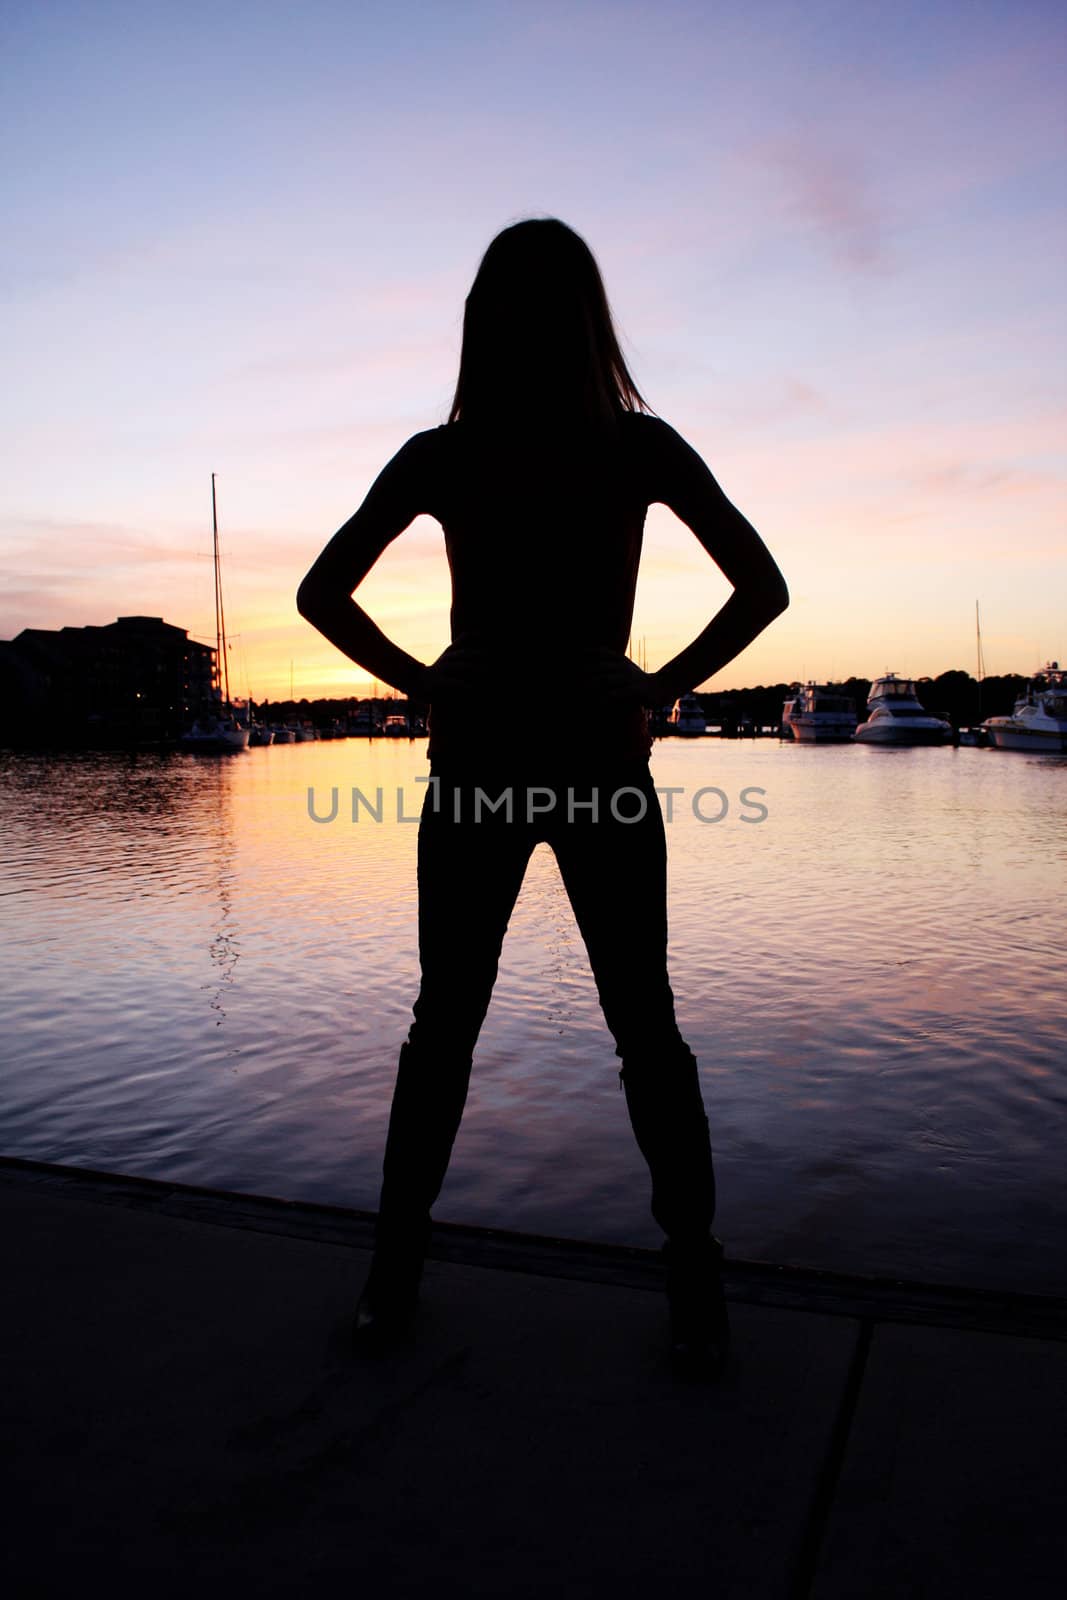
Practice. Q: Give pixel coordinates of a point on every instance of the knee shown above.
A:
(641, 1019)
(443, 1030)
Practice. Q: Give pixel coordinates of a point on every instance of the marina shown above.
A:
(811, 714)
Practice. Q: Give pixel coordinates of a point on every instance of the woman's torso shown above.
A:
(543, 533)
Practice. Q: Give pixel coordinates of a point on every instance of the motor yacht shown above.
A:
(895, 716)
(687, 717)
(819, 714)
(1039, 720)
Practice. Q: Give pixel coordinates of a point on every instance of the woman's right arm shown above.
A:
(324, 597)
(681, 480)
(403, 488)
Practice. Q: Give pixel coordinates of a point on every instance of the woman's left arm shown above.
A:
(324, 597)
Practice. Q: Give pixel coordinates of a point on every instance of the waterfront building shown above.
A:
(137, 680)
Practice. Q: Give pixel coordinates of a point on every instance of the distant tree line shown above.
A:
(954, 695)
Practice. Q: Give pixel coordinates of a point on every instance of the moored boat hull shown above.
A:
(899, 734)
(221, 741)
(820, 732)
(1009, 736)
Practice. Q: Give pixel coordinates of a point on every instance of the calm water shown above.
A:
(204, 984)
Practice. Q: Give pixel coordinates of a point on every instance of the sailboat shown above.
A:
(258, 732)
(218, 730)
(979, 734)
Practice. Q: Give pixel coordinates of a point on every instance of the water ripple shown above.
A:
(206, 985)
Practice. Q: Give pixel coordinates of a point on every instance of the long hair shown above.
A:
(539, 343)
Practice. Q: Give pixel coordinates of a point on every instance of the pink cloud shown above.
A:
(825, 186)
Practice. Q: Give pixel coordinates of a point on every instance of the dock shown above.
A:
(184, 1416)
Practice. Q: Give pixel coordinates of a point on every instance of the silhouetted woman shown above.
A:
(539, 730)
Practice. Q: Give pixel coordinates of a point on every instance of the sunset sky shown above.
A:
(238, 238)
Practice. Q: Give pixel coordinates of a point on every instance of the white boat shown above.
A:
(283, 735)
(213, 735)
(396, 726)
(895, 716)
(217, 729)
(259, 733)
(1039, 720)
(687, 717)
(819, 714)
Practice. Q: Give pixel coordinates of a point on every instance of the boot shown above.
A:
(671, 1127)
(386, 1308)
(428, 1100)
(700, 1324)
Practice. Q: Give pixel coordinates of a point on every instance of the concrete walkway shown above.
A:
(183, 1417)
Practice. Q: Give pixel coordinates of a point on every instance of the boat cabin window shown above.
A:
(899, 689)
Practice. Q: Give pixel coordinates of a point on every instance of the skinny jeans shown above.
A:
(477, 830)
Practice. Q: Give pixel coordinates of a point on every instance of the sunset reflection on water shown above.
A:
(205, 984)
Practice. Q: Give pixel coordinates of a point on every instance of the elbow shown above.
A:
(321, 595)
(307, 599)
(768, 599)
(777, 598)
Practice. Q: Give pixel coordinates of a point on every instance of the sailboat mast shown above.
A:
(981, 660)
(220, 614)
(215, 566)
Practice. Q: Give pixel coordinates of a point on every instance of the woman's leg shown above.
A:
(615, 873)
(469, 875)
